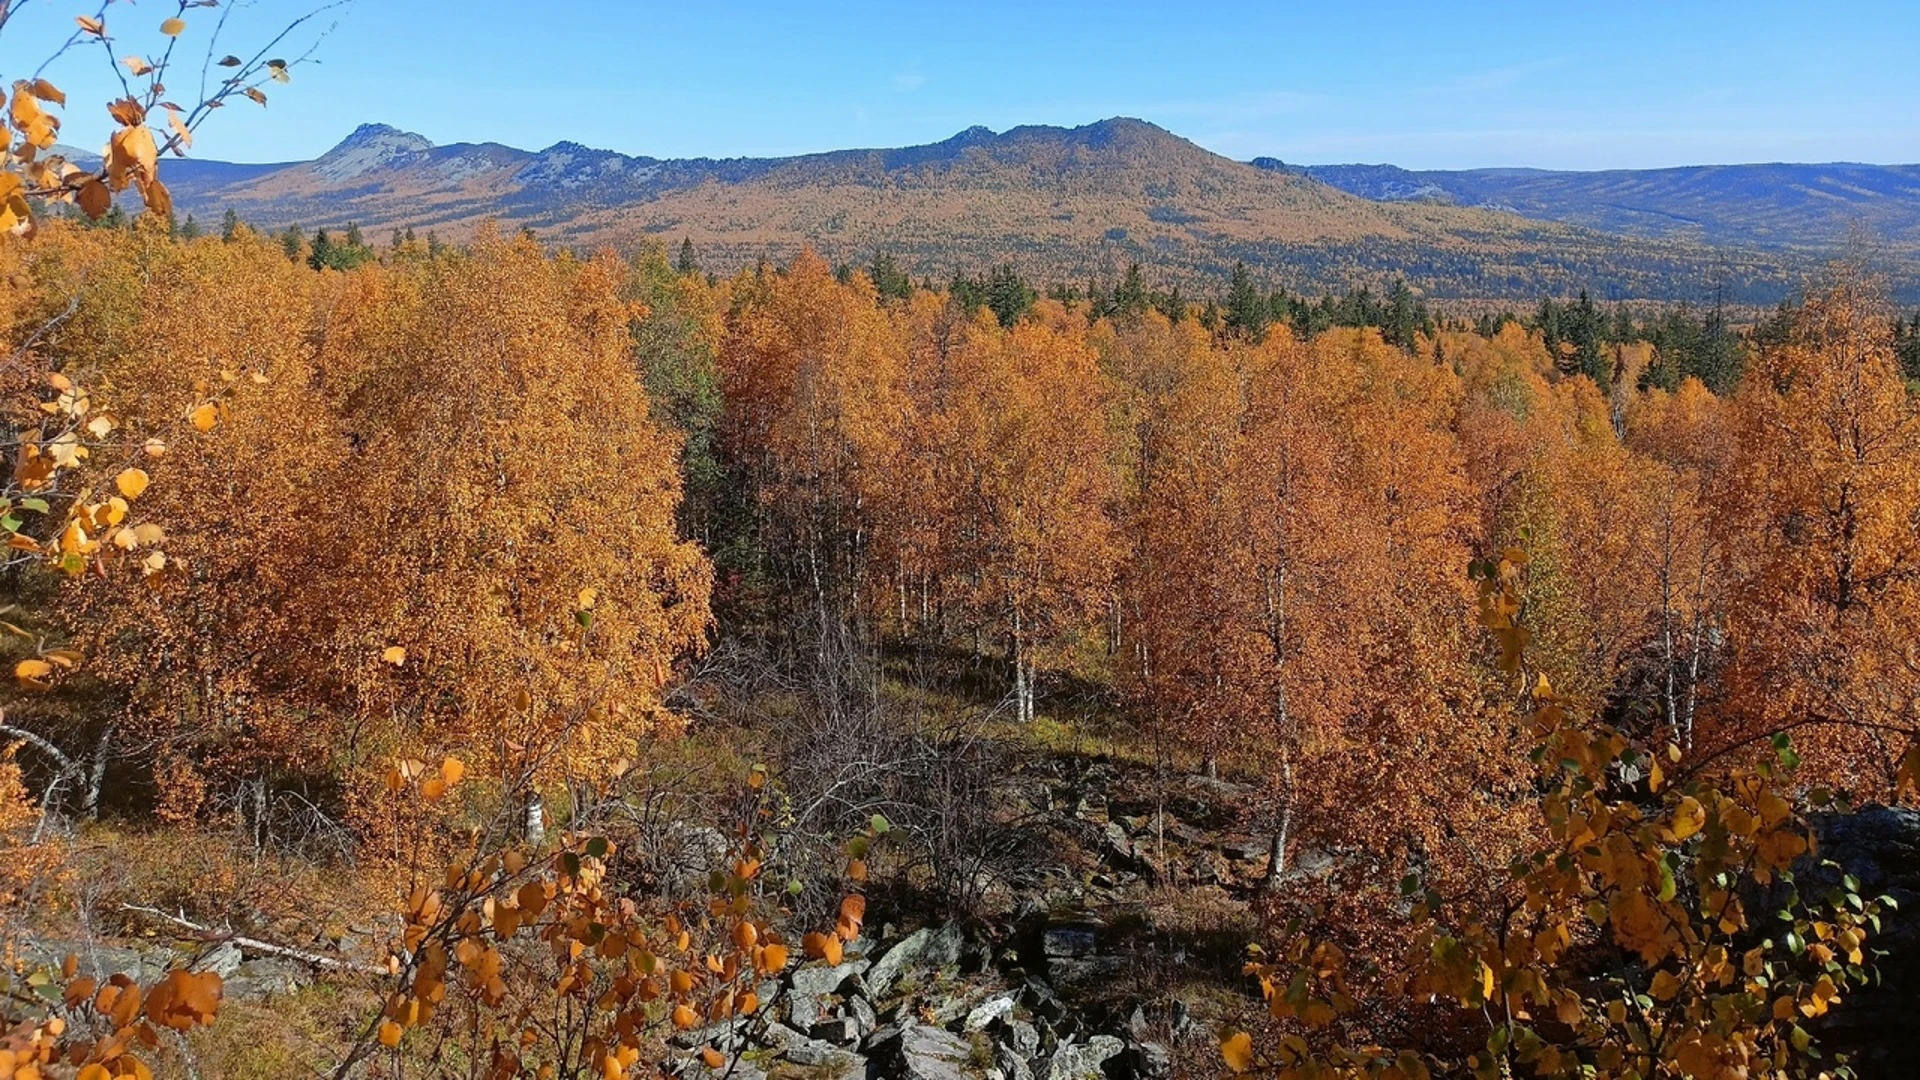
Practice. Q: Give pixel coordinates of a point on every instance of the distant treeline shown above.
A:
(1709, 341)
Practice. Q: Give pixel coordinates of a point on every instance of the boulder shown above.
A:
(924, 948)
(1147, 1061)
(817, 1053)
(1084, 1060)
(840, 1031)
(1071, 940)
(1009, 1065)
(987, 1012)
(918, 1052)
(1043, 1002)
(819, 981)
(1021, 1037)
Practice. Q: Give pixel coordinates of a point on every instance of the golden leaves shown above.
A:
(132, 483)
(1688, 818)
(173, 27)
(823, 947)
(33, 672)
(1237, 1051)
(394, 654)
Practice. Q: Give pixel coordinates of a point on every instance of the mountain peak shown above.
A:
(370, 148)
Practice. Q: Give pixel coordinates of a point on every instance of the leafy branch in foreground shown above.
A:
(1660, 931)
(31, 170)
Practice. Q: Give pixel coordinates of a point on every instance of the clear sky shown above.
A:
(1419, 83)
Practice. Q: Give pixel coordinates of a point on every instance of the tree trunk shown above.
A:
(97, 777)
(1277, 852)
(536, 821)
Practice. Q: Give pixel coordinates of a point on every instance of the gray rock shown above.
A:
(804, 1012)
(1022, 1038)
(861, 1011)
(817, 981)
(223, 960)
(1148, 1061)
(1043, 1002)
(841, 1030)
(924, 948)
(1084, 1061)
(1073, 940)
(930, 1053)
(259, 980)
(815, 1053)
(777, 1035)
(1009, 1065)
(984, 1014)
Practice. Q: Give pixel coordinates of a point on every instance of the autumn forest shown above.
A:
(491, 658)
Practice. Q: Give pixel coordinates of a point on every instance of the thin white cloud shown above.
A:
(908, 81)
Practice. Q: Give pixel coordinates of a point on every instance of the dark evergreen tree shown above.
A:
(190, 230)
(1008, 294)
(292, 242)
(229, 225)
(1171, 304)
(889, 281)
(1130, 296)
(1402, 316)
(1906, 346)
(320, 255)
(686, 264)
(1246, 313)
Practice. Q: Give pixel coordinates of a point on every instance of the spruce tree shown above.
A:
(1246, 313)
(686, 266)
(321, 254)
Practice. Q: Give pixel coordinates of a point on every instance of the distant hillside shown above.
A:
(1063, 204)
(1788, 207)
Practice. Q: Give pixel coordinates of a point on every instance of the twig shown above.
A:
(251, 944)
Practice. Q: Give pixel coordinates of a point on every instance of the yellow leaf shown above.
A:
(390, 1033)
(713, 1058)
(32, 672)
(154, 562)
(90, 24)
(1237, 1051)
(202, 418)
(395, 655)
(174, 27)
(1688, 817)
(132, 483)
(154, 448)
(452, 769)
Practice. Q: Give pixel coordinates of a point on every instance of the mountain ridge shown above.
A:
(1063, 203)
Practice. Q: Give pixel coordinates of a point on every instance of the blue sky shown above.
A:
(1420, 84)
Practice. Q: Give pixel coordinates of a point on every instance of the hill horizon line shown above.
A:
(373, 128)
